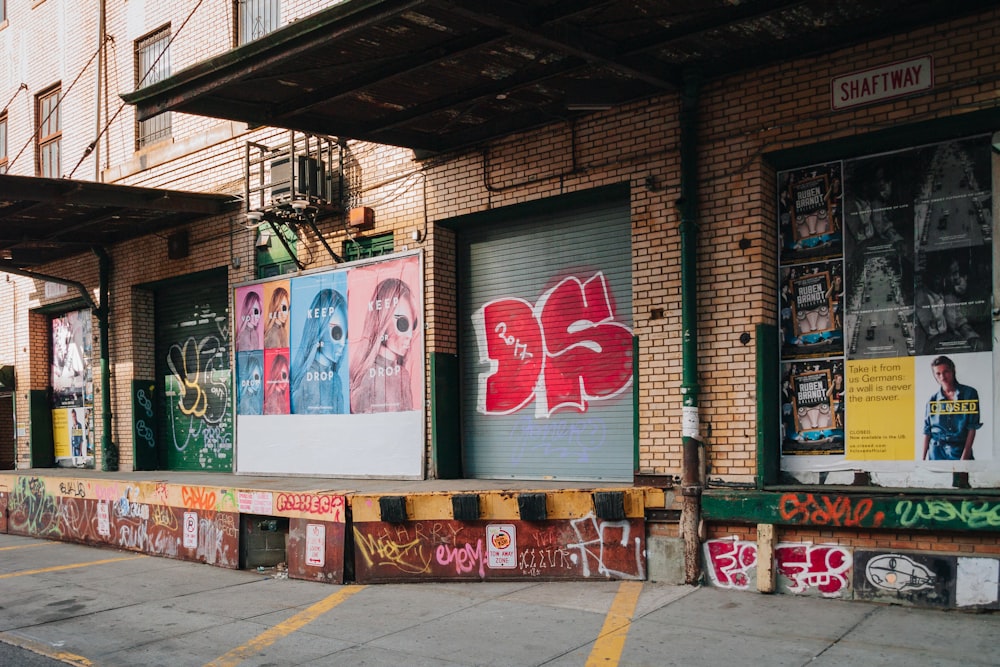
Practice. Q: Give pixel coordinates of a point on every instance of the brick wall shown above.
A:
(741, 119)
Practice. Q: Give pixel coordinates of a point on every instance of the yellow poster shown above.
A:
(60, 433)
(880, 404)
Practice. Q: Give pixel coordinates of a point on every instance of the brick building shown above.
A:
(681, 292)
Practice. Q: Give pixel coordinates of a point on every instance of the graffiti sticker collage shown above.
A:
(886, 275)
(72, 389)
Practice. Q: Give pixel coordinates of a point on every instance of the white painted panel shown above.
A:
(384, 445)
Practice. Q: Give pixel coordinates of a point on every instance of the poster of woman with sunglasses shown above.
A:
(276, 382)
(248, 318)
(385, 298)
(318, 344)
(278, 306)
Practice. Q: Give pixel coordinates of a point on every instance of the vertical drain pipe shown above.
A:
(687, 206)
(109, 451)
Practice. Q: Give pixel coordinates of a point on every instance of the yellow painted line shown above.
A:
(608, 647)
(58, 568)
(45, 649)
(28, 546)
(283, 629)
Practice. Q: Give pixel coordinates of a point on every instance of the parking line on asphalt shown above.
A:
(45, 650)
(608, 647)
(283, 629)
(72, 566)
(28, 546)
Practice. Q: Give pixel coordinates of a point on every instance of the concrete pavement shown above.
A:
(90, 606)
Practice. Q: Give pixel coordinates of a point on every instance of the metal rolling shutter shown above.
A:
(524, 258)
(194, 382)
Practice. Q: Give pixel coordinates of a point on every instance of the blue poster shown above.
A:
(250, 390)
(318, 345)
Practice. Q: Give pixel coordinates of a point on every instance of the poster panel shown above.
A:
(386, 347)
(250, 388)
(72, 383)
(276, 382)
(249, 303)
(916, 268)
(810, 212)
(318, 345)
(812, 297)
(278, 302)
(812, 408)
(338, 387)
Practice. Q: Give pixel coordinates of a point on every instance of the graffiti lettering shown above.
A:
(566, 350)
(70, 489)
(406, 557)
(32, 510)
(465, 558)
(731, 562)
(971, 513)
(557, 438)
(191, 364)
(198, 497)
(822, 567)
(311, 503)
(107, 493)
(534, 562)
(826, 511)
(164, 516)
(594, 544)
(226, 523)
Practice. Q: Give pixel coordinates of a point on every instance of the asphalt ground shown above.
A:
(72, 604)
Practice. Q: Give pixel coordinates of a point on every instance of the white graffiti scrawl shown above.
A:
(594, 538)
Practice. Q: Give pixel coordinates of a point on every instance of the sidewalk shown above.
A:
(107, 607)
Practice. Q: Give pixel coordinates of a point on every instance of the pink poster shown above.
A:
(386, 346)
(249, 318)
(276, 382)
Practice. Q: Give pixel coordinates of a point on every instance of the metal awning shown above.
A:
(438, 75)
(45, 219)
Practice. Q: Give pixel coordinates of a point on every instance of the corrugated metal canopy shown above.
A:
(46, 219)
(434, 75)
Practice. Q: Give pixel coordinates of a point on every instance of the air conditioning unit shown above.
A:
(310, 179)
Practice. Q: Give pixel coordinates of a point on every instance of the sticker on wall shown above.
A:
(103, 519)
(315, 544)
(501, 546)
(255, 502)
(190, 530)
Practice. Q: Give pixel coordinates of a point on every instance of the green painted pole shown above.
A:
(109, 451)
(687, 205)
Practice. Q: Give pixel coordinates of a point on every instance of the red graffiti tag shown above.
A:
(827, 511)
(566, 351)
(731, 562)
(311, 503)
(825, 568)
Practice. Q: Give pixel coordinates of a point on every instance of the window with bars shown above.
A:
(373, 246)
(255, 18)
(152, 64)
(48, 138)
(3, 139)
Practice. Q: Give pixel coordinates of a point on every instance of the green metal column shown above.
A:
(687, 205)
(109, 450)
